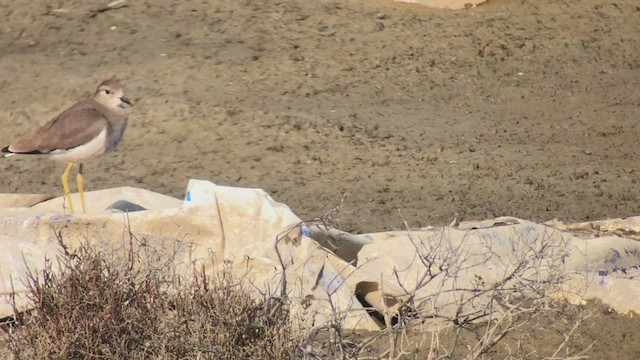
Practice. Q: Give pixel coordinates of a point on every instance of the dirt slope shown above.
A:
(513, 108)
(524, 108)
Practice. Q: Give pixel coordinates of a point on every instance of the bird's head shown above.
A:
(111, 95)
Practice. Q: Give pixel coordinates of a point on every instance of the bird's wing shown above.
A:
(74, 127)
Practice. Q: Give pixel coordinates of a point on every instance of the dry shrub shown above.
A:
(92, 308)
(504, 317)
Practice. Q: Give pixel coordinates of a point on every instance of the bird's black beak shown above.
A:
(125, 100)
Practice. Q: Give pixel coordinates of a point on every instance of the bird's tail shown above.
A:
(5, 150)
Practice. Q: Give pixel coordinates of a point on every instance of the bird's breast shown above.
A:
(115, 133)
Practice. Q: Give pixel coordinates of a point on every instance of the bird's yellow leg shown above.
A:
(81, 188)
(65, 186)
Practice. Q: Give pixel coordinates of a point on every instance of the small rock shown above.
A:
(296, 57)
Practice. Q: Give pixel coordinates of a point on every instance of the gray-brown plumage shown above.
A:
(88, 129)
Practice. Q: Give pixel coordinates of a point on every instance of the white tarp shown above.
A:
(447, 271)
(214, 224)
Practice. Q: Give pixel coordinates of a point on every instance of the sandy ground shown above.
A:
(515, 108)
(523, 108)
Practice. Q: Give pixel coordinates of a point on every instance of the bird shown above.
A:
(89, 128)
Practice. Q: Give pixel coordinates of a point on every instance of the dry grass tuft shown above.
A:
(92, 308)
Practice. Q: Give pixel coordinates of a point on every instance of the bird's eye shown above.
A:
(107, 92)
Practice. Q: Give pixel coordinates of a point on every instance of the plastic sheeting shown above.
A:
(449, 272)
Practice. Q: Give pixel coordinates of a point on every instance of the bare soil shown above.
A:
(522, 108)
